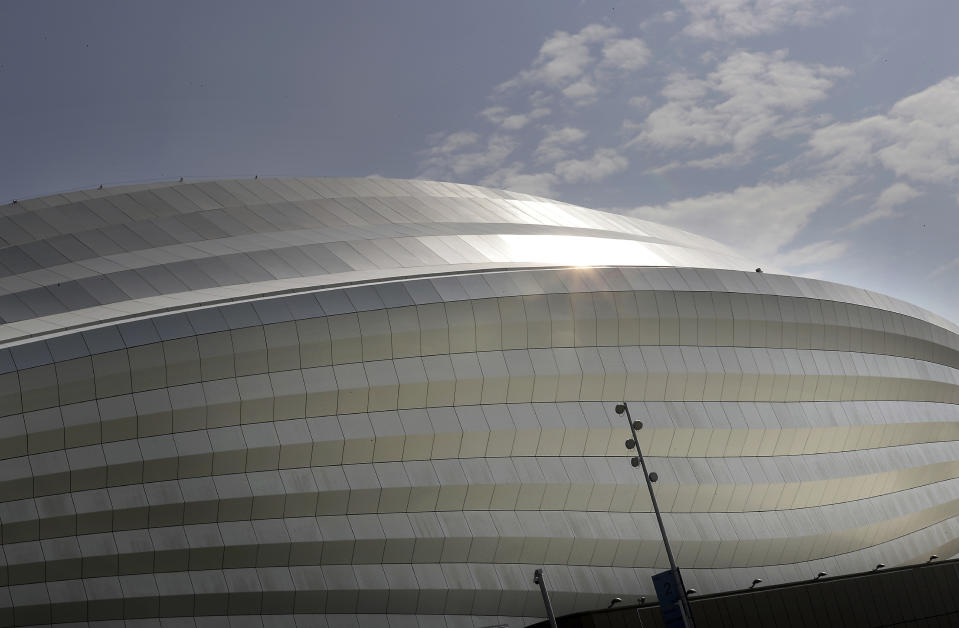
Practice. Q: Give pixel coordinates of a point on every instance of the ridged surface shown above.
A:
(406, 441)
(83, 257)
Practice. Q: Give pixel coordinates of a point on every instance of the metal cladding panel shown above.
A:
(73, 260)
(379, 402)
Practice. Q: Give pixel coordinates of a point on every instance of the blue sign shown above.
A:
(668, 593)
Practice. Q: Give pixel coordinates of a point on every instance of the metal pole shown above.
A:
(540, 579)
(683, 598)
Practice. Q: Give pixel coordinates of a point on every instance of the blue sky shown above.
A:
(819, 137)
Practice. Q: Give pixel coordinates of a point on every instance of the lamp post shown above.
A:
(539, 578)
(639, 461)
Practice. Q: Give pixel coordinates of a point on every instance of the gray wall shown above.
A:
(924, 595)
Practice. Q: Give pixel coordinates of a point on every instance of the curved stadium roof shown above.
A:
(388, 401)
(83, 258)
(97, 255)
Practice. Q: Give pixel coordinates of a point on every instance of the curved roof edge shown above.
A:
(83, 259)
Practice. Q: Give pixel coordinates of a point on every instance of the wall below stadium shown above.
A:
(914, 595)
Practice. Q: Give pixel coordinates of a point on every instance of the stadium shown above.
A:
(378, 402)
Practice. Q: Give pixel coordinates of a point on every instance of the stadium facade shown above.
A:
(382, 402)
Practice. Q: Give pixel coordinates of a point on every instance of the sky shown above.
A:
(818, 137)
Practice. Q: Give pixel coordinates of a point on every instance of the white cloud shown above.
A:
(497, 149)
(517, 121)
(578, 65)
(811, 254)
(512, 121)
(877, 214)
(555, 145)
(722, 160)
(748, 97)
(845, 146)
(625, 54)
(728, 19)
(562, 59)
(758, 220)
(666, 17)
(640, 102)
(511, 178)
(948, 266)
(918, 138)
(603, 163)
(445, 143)
(897, 194)
(680, 86)
(440, 163)
(571, 69)
(495, 114)
(581, 92)
(541, 99)
(893, 196)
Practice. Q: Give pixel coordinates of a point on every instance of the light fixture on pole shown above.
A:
(932, 558)
(820, 575)
(539, 578)
(613, 602)
(639, 615)
(879, 566)
(755, 582)
(639, 461)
